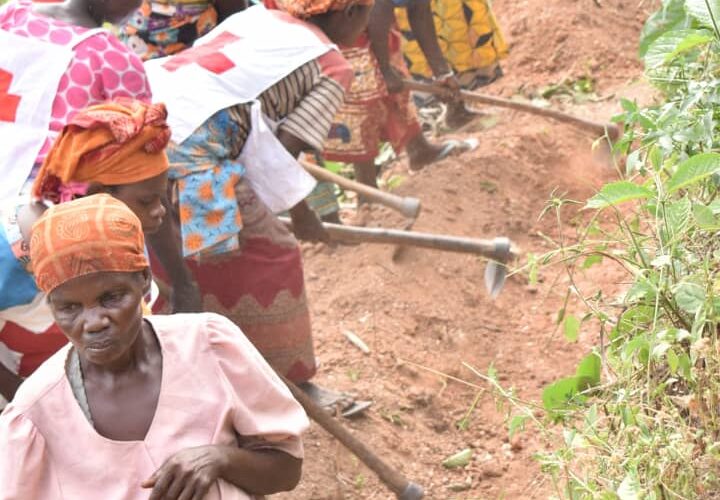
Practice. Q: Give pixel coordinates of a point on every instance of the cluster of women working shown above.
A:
(106, 399)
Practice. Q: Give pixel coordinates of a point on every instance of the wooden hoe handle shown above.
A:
(393, 479)
(408, 206)
(597, 128)
(496, 249)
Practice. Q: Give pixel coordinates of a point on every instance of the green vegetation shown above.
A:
(649, 427)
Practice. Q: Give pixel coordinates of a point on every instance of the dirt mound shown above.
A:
(429, 312)
(552, 41)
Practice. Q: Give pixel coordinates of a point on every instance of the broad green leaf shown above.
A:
(690, 42)
(588, 371)
(698, 10)
(672, 43)
(618, 192)
(677, 217)
(641, 289)
(557, 394)
(704, 217)
(628, 105)
(671, 16)
(689, 297)
(694, 169)
(638, 346)
(633, 162)
(571, 327)
(656, 157)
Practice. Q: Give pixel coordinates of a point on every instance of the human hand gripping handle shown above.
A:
(306, 225)
(187, 475)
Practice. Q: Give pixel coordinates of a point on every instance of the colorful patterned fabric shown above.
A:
(469, 37)
(308, 8)
(370, 114)
(119, 142)
(206, 173)
(93, 234)
(260, 287)
(162, 28)
(205, 164)
(103, 68)
(323, 199)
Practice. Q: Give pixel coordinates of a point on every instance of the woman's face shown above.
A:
(145, 198)
(344, 27)
(101, 313)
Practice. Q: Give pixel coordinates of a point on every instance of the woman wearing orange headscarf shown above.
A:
(117, 413)
(118, 148)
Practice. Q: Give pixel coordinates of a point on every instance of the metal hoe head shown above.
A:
(413, 491)
(495, 271)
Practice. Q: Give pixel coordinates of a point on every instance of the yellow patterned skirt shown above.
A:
(469, 37)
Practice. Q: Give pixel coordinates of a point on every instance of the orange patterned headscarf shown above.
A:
(89, 235)
(118, 142)
(308, 8)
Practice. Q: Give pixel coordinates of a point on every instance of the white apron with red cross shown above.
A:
(30, 72)
(236, 62)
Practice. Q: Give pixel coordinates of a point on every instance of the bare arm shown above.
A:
(381, 20)
(261, 472)
(9, 382)
(194, 470)
(421, 21)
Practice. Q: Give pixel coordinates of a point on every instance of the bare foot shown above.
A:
(422, 153)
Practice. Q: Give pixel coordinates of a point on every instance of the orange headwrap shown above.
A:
(308, 8)
(88, 235)
(118, 142)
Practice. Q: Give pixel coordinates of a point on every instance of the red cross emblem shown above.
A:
(207, 56)
(8, 102)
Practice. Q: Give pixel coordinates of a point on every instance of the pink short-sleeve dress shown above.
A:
(215, 387)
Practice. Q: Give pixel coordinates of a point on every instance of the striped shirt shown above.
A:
(304, 103)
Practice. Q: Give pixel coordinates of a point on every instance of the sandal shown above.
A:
(449, 148)
(334, 402)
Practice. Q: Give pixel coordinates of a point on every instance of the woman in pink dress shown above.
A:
(171, 407)
(101, 68)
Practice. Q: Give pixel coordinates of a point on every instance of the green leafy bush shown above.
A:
(650, 426)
